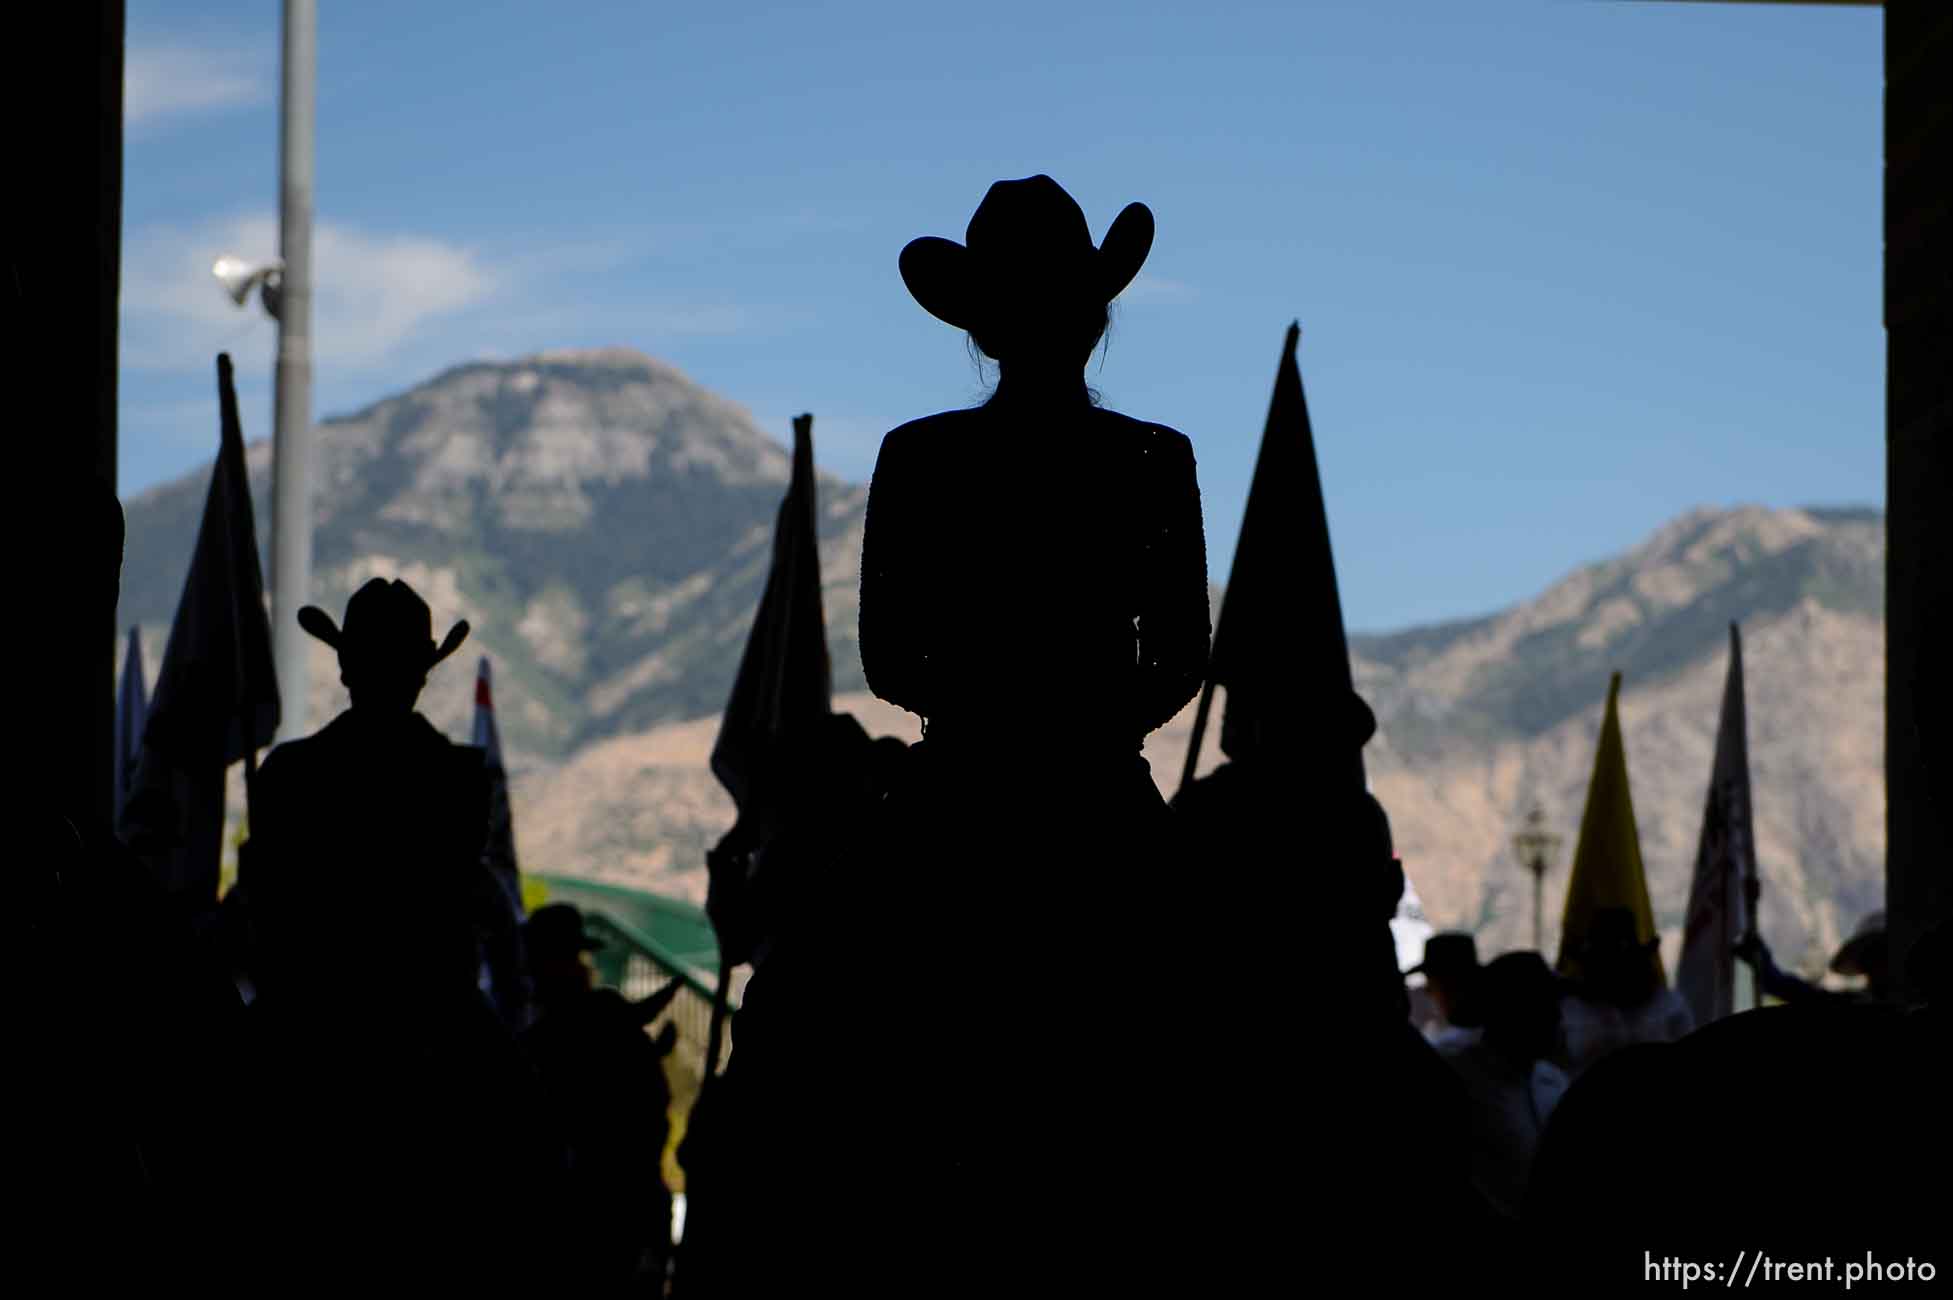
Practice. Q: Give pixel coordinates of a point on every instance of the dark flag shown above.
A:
(216, 699)
(1725, 863)
(131, 713)
(1279, 647)
(502, 951)
(500, 848)
(780, 701)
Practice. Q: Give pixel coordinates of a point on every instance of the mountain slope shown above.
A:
(1457, 764)
(601, 521)
(604, 524)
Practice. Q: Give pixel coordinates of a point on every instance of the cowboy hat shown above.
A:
(1026, 235)
(1447, 953)
(386, 623)
(556, 930)
(1857, 949)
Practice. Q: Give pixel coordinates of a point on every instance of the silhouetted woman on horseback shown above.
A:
(1034, 586)
(970, 1048)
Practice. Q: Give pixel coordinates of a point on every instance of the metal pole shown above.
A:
(1199, 736)
(1539, 907)
(1753, 895)
(715, 1037)
(291, 447)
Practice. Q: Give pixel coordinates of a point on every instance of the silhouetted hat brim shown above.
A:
(1359, 720)
(546, 943)
(320, 624)
(1446, 956)
(1851, 958)
(1869, 934)
(953, 283)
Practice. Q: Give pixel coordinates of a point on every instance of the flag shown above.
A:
(216, 697)
(1607, 860)
(501, 948)
(500, 845)
(131, 712)
(1410, 929)
(1725, 862)
(780, 698)
(1280, 651)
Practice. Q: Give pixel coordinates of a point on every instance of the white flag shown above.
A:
(1725, 863)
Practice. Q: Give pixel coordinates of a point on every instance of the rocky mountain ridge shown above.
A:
(603, 523)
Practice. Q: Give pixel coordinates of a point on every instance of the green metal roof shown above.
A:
(671, 932)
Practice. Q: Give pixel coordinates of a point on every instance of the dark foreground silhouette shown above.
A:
(1800, 1131)
(1012, 1117)
(1179, 1063)
(604, 1077)
(387, 1098)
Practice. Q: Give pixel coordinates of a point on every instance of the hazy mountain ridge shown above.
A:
(602, 522)
(1649, 613)
(605, 524)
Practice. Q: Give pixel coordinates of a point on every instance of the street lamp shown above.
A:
(239, 277)
(285, 288)
(1535, 847)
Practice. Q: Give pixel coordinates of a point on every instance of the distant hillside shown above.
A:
(1479, 719)
(1464, 749)
(603, 522)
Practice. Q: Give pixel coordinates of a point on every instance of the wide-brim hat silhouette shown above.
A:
(388, 625)
(1507, 979)
(1447, 953)
(1354, 721)
(556, 930)
(1858, 948)
(1027, 247)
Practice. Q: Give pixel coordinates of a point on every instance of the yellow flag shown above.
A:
(1607, 863)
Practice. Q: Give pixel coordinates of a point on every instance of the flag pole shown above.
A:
(1199, 735)
(250, 782)
(1752, 891)
(716, 1037)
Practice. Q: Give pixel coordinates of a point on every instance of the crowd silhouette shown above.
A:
(1262, 1115)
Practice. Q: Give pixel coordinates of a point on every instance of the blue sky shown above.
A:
(1565, 268)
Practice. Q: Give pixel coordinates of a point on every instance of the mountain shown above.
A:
(1478, 720)
(604, 524)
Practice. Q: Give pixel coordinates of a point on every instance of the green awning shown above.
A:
(670, 932)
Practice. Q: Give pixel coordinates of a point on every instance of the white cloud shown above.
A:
(166, 80)
(1154, 288)
(372, 293)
